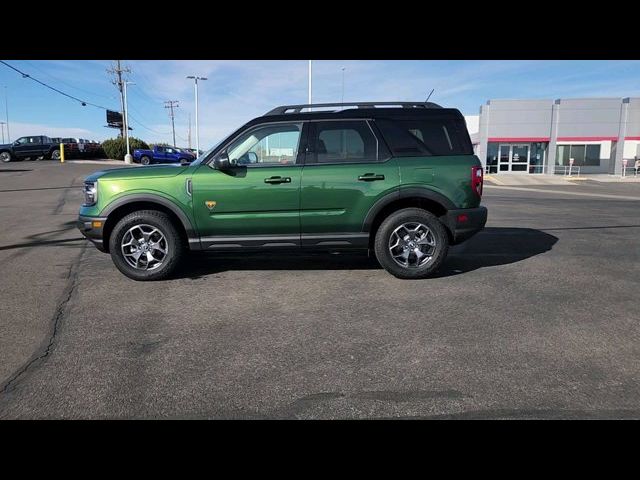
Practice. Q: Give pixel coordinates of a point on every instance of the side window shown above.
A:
(160, 149)
(275, 144)
(345, 142)
(428, 137)
(22, 140)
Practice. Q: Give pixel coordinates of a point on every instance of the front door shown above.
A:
(27, 147)
(257, 202)
(513, 158)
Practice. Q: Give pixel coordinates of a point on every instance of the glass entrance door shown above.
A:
(520, 158)
(513, 158)
(504, 156)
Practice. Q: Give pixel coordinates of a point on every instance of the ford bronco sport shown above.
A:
(399, 179)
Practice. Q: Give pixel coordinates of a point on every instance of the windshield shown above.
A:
(198, 160)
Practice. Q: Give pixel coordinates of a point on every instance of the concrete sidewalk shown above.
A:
(102, 161)
(544, 179)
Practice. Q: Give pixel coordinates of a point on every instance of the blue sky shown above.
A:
(240, 90)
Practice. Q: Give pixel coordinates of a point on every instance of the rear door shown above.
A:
(348, 168)
(159, 154)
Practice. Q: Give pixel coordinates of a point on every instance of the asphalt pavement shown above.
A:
(536, 317)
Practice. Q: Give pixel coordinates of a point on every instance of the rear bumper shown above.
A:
(88, 226)
(465, 223)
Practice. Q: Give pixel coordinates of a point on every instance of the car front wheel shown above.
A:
(145, 245)
(411, 243)
(5, 157)
(145, 160)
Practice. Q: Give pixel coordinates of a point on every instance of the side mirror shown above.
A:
(222, 161)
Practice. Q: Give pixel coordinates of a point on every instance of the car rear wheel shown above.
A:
(411, 243)
(145, 160)
(5, 157)
(55, 155)
(145, 245)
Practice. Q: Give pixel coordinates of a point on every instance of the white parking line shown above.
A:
(562, 192)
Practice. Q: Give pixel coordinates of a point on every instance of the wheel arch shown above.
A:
(124, 206)
(428, 200)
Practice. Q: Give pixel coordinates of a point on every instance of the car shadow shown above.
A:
(491, 247)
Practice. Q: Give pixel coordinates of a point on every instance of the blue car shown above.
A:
(162, 154)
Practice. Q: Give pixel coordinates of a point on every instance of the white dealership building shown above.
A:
(545, 136)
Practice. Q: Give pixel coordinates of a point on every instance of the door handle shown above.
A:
(276, 180)
(370, 177)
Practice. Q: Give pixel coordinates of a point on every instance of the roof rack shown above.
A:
(284, 109)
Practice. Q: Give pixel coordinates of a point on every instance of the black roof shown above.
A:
(283, 109)
(361, 110)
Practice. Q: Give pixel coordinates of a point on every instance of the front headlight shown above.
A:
(90, 191)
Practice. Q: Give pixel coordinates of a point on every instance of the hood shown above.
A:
(135, 173)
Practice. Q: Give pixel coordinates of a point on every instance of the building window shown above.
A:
(492, 157)
(583, 155)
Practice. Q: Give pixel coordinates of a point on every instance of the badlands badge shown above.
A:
(210, 204)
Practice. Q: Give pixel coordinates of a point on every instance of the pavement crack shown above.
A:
(61, 310)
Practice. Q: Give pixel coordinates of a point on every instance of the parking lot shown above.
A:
(536, 317)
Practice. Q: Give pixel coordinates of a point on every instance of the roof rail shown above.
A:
(284, 109)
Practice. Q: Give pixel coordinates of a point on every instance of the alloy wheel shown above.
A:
(144, 247)
(412, 245)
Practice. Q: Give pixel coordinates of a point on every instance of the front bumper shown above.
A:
(91, 227)
(465, 223)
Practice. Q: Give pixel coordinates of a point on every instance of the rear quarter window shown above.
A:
(426, 137)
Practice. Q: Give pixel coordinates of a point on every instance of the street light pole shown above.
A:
(310, 81)
(342, 85)
(2, 124)
(195, 78)
(127, 157)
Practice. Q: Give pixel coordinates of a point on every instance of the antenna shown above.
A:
(432, 90)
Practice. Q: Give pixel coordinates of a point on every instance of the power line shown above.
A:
(145, 127)
(26, 75)
(32, 64)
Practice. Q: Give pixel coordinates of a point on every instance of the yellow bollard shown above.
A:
(61, 152)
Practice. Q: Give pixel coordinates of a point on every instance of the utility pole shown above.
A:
(2, 124)
(118, 81)
(189, 134)
(342, 85)
(171, 104)
(6, 111)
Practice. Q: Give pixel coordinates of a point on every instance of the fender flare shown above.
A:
(411, 192)
(147, 197)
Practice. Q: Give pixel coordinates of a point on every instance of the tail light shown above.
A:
(477, 180)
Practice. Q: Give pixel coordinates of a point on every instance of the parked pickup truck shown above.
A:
(33, 146)
(162, 154)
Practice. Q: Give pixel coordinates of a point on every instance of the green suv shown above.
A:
(399, 179)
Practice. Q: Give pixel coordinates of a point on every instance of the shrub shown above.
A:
(116, 148)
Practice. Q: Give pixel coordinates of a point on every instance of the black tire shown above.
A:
(408, 216)
(144, 160)
(174, 244)
(5, 157)
(55, 154)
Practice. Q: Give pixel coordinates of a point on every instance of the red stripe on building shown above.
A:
(587, 139)
(632, 138)
(519, 139)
